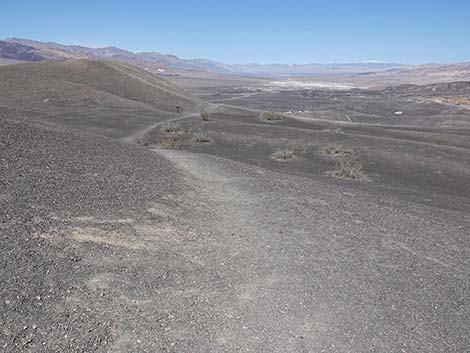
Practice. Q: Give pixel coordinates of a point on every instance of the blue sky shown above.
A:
(414, 31)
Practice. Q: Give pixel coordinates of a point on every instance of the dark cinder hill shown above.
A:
(340, 228)
(70, 175)
(110, 98)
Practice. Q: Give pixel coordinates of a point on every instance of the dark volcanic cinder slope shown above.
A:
(426, 165)
(304, 266)
(107, 247)
(52, 181)
(109, 98)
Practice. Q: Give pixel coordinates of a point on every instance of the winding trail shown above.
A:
(295, 265)
(133, 137)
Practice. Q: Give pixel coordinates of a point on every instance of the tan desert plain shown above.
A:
(155, 204)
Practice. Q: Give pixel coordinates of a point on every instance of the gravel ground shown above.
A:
(304, 266)
(108, 247)
(50, 181)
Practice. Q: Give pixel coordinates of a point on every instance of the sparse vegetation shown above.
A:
(204, 115)
(283, 154)
(337, 150)
(271, 116)
(349, 168)
(171, 127)
(201, 137)
(140, 141)
(171, 143)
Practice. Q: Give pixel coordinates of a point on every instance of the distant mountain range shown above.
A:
(167, 64)
(30, 50)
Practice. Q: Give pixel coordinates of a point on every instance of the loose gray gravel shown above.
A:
(49, 181)
(107, 247)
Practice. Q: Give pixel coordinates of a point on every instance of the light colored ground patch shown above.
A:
(162, 233)
(100, 281)
(98, 236)
(161, 210)
(293, 84)
(253, 290)
(87, 219)
(462, 102)
(137, 237)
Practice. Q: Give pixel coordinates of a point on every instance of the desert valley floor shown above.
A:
(143, 213)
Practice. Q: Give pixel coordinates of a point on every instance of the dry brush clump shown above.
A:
(337, 150)
(201, 137)
(141, 142)
(171, 143)
(172, 127)
(271, 116)
(205, 115)
(283, 154)
(350, 168)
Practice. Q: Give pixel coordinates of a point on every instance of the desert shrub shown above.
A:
(171, 143)
(337, 150)
(283, 154)
(201, 137)
(204, 115)
(270, 116)
(349, 168)
(171, 127)
(140, 141)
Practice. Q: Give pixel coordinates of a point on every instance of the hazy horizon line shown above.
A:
(140, 51)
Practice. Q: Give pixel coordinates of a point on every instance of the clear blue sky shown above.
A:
(413, 31)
